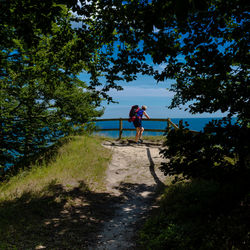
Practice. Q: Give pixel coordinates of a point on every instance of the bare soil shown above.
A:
(133, 176)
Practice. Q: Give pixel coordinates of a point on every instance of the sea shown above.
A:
(196, 124)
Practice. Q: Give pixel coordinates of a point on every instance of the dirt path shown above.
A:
(133, 175)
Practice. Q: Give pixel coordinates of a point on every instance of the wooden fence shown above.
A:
(169, 123)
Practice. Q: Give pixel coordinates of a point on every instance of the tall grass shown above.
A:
(83, 158)
(49, 205)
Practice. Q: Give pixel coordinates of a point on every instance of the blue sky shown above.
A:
(145, 91)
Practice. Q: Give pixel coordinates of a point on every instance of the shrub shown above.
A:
(220, 152)
(198, 215)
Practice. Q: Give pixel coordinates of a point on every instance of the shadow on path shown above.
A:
(120, 231)
(125, 143)
(152, 170)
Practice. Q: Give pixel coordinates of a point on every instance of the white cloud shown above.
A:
(155, 30)
(141, 92)
(160, 67)
(117, 111)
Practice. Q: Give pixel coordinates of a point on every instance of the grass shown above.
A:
(59, 203)
(81, 159)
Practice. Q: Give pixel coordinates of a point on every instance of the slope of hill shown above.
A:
(92, 195)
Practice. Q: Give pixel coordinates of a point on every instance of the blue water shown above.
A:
(196, 124)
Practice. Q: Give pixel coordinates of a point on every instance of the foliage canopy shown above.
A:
(41, 97)
(202, 45)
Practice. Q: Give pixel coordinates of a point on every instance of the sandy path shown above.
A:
(134, 176)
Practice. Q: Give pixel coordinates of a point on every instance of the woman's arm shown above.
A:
(146, 114)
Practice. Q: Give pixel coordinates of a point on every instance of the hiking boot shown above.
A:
(140, 141)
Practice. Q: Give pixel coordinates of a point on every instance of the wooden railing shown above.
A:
(169, 123)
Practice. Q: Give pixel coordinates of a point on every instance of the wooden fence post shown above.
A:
(168, 123)
(120, 128)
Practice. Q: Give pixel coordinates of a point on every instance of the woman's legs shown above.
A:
(139, 131)
(137, 136)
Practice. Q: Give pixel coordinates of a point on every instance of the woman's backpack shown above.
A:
(132, 113)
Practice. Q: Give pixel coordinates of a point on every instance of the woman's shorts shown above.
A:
(137, 123)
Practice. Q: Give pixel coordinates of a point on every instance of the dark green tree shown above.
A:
(41, 97)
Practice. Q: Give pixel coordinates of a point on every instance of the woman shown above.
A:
(138, 123)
